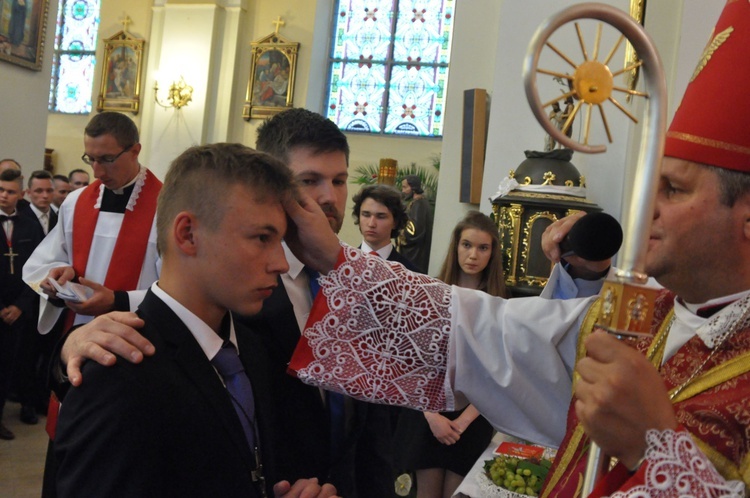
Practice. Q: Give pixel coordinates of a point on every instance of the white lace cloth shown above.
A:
(676, 468)
(382, 320)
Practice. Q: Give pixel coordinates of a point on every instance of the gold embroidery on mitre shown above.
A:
(715, 43)
(716, 144)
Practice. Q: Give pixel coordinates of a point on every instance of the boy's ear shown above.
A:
(183, 233)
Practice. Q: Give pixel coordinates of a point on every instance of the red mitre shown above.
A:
(712, 124)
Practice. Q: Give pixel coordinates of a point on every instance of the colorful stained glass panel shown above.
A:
(423, 31)
(74, 60)
(355, 101)
(389, 65)
(363, 30)
(74, 89)
(416, 100)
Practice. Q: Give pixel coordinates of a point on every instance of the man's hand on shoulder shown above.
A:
(103, 338)
(304, 488)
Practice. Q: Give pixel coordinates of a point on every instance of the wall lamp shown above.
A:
(180, 93)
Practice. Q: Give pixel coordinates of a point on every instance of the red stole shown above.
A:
(132, 240)
(712, 408)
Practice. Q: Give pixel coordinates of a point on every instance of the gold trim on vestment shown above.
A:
(708, 142)
(565, 461)
(718, 375)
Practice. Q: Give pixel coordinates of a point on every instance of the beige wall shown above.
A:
(65, 131)
(23, 106)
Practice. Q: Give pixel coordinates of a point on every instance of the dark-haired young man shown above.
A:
(349, 448)
(41, 191)
(62, 189)
(380, 214)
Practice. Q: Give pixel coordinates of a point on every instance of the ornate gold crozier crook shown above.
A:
(627, 306)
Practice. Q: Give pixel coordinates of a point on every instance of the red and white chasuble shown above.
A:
(380, 333)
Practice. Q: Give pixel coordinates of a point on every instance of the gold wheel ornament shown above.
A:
(592, 84)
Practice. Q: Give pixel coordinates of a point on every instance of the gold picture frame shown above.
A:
(121, 74)
(270, 89)
(23, 28)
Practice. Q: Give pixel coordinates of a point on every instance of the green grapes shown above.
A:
(518, 475)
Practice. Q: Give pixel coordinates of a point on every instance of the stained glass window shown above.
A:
(389, 66)
(74, 56)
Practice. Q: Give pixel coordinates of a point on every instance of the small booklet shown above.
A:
(71, 291)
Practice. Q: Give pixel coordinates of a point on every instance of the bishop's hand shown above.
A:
(620, 396)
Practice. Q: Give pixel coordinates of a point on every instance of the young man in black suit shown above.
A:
(351, 450)
(19, 236)
(41, 190)
(169, 426)
(381, 215)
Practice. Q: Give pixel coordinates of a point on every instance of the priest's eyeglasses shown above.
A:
(104, 160)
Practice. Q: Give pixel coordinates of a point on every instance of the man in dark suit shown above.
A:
(19, 236)
(175, 425)
(380, 214)
(350, 448)
(34, 349)
(40, 192)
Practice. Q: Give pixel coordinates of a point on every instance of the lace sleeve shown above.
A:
(382, 335)
(675, 467)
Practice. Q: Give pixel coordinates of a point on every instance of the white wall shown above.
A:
(473, 55)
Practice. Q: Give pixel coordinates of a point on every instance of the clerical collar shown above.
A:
(710, 329)
(126, 200)
(716, 304)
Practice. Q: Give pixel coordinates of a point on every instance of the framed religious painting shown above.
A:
(23, 27)
(270, 89)
(121, 74)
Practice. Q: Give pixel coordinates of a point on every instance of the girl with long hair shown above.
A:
(442, 447)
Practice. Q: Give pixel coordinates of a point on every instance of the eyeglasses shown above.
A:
(104, 160)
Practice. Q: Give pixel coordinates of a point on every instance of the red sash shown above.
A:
(132, 240)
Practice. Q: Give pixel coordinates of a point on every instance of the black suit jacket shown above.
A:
(26, 210)
(27, 234)
(364, 468)
(165, 427)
